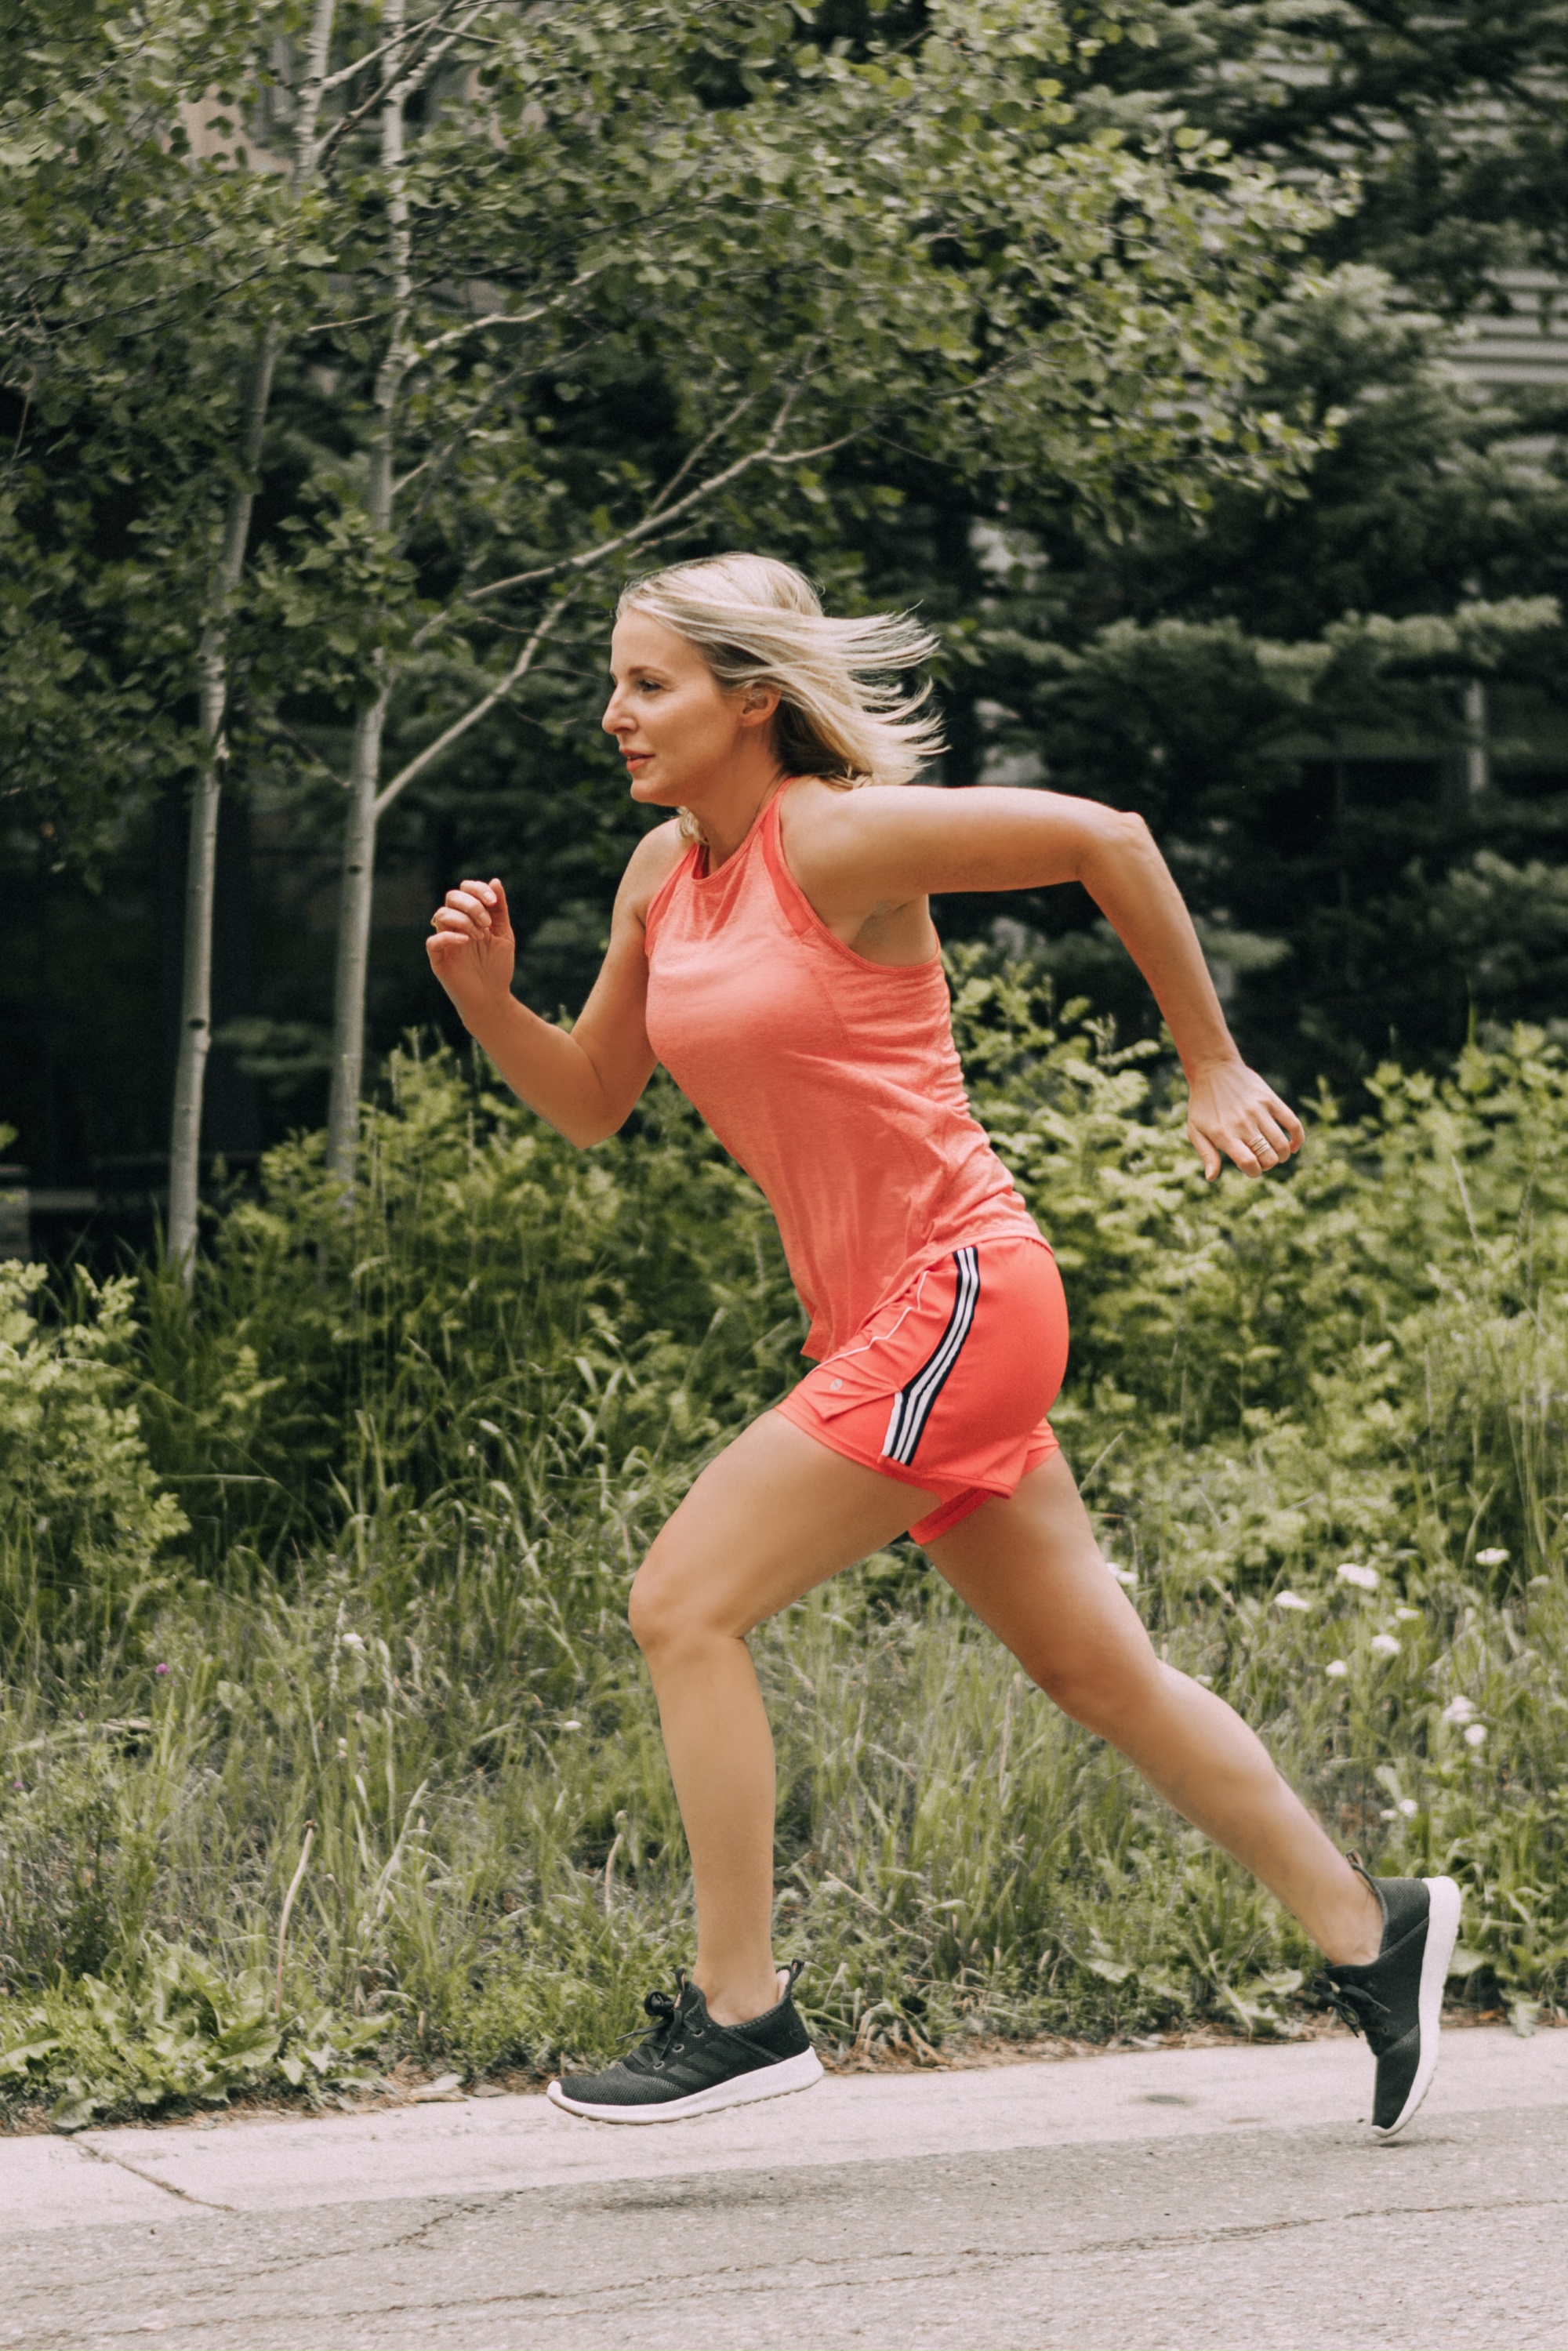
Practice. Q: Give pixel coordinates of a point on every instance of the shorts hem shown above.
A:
(952, 1508)
(802, 1417)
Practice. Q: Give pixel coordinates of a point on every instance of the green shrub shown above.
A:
(422, 1435)
(84, 1527)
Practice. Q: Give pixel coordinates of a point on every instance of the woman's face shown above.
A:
(679, 733)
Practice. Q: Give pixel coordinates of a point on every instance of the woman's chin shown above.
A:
(652, 793)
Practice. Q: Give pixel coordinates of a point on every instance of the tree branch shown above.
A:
(659, 519)
(481, 709)
(504, 317)
(695, 456)
(438, 460)
(371, 56)
(403, 85)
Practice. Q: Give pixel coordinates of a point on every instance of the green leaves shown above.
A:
(175, 2030)
(1317, 1421)
(84, 1526)
(798, 253)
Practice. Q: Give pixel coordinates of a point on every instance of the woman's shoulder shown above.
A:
(650, 866)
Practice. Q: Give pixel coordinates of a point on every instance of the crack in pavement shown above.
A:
(119, 2163)
(807, 2276)
(763, 2277)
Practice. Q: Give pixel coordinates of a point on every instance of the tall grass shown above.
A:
(345, 1544)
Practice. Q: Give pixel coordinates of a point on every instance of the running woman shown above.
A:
(772, 946)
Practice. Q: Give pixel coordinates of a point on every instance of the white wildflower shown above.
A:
(1384, 1644)
(1459, 1709)
(1291, 1600)
(571, 1725)
(1409, 1807)
(1125, 1576)
(1365, 1579)
(1495, 1557)
(356, 1642)
(1336, 1669)
(1476, 1736)
(1405, 1615)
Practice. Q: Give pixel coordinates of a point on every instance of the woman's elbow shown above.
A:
(1118, 842)
(583, 1137)
(599, 1124)
(1132, 848)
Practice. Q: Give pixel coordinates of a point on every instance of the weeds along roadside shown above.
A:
(418, 1445)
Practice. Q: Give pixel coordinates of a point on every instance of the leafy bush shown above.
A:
(421, 1438)
(84, 1527)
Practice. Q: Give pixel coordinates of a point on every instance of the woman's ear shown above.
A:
(758, 703)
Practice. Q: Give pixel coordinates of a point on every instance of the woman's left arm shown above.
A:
(884, 844)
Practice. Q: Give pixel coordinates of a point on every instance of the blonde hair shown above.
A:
(757, 621)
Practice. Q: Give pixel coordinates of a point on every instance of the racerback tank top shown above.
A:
(833, 1081)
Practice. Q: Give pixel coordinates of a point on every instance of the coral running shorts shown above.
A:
(947, 1385)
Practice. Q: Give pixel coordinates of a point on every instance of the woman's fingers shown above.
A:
(1273, 1135)
(1253, 1129)
(478, 907)
(1295, 1132)
(1259, 1141)
(475, 900)
(451, 922)
(473, 909)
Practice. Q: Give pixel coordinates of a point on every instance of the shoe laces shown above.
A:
(654, 2047)
(1355, 2004)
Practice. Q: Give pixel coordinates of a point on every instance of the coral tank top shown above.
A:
(833, 1081)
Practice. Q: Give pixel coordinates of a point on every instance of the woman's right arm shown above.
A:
(586, 1080)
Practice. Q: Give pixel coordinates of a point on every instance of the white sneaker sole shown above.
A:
(767, 2081)
(1442, 1934)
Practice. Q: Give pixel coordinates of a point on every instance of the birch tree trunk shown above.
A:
(201, 855)
(213, 689)
(365, 754)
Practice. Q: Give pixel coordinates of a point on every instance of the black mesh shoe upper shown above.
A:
(686, 2051)
(1382, 2000)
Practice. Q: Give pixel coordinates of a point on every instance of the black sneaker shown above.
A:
(1397, 1999)
(690, 2066)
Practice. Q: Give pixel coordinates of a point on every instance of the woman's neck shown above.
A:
(727, 824)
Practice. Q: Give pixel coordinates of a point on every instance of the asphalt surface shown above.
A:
(1137, 2201)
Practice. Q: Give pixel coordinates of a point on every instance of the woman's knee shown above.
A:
(665, 1611)
(1106, 1694)
(648, 1610)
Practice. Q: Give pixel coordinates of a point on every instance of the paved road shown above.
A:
(1167, 2200)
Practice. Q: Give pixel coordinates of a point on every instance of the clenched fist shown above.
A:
(472, 948)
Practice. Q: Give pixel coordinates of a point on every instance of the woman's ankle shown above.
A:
(736, 1998)
(1354, 1936)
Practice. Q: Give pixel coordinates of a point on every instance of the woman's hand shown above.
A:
(1232, 1115)
(472, 949)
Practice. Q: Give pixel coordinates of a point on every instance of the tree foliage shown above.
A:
(1054, 322)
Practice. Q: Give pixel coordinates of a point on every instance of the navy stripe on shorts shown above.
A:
(912, 1405)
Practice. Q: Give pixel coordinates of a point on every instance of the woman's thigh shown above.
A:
(772, 1516)
(1031, 1569)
